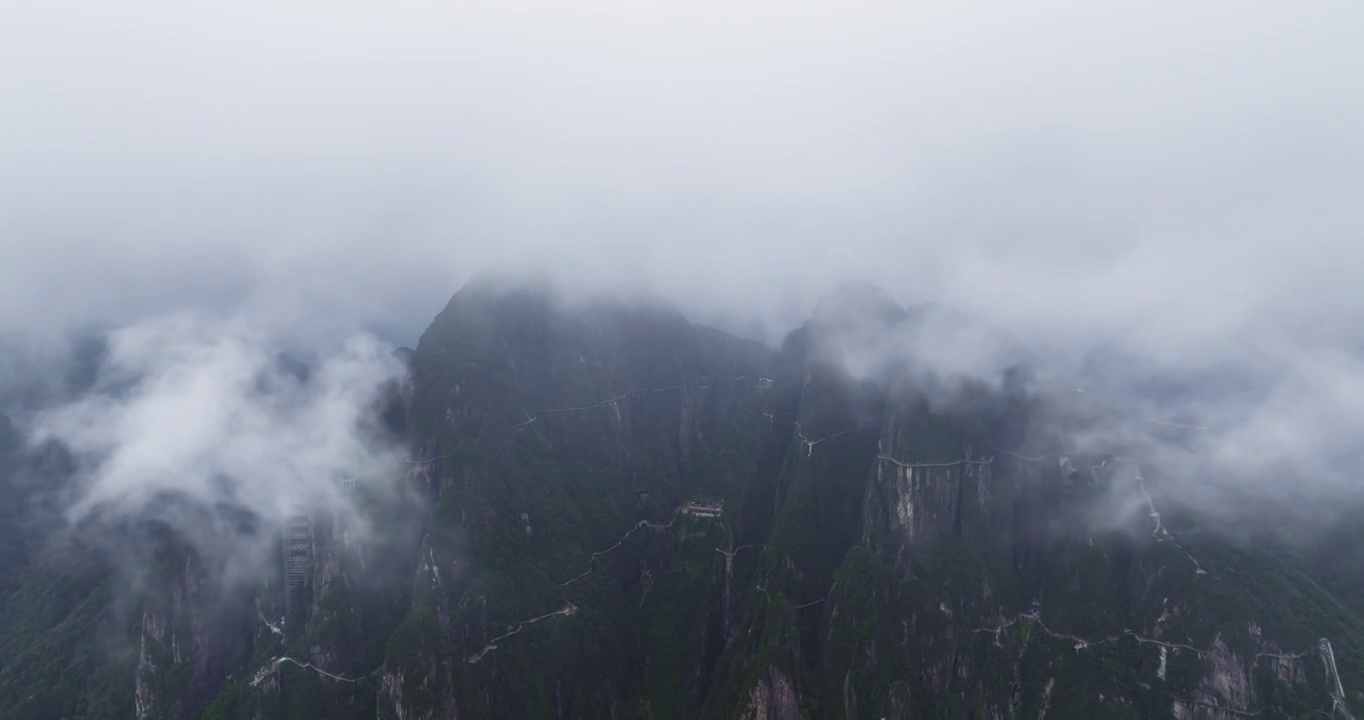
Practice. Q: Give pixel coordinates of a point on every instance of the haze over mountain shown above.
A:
(943, 301)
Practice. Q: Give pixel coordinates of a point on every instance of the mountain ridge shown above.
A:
(886, 547)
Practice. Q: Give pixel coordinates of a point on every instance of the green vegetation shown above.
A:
(550, 575)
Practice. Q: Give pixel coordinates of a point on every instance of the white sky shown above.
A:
(1181, 172)
(1181, 180)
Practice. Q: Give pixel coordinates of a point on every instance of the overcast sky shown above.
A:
(1170, 171)
(1178, 181)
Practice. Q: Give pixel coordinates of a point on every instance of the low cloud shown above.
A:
(193, 422)
(1173, 185)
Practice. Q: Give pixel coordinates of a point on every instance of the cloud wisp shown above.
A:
(193, 418)
(1174, 183)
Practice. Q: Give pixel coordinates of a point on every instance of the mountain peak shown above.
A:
(857, 301)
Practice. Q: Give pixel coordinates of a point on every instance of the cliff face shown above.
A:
(773, 697)
(60, 653)
(932, 557)
(892, 545)
(891, 542)
(557, 569)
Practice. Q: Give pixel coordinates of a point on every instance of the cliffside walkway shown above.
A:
(567, 610)
(809, 444)
(1335, 687)
(273, 627)
(638, 526)
(729, 554)
(1159, 532)
(963, 461)
(1338, 704)
(274, 664)
(1083, 643)
(604, 403)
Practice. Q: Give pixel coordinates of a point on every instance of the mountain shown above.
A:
(611, 512)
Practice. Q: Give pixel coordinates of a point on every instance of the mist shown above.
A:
(1170, 189)
(201, 426)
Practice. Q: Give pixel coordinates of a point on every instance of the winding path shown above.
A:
(1040, 458)
(1173, 424)
(567, 610)
(276, 662)
(1219, 708)
(273, 627)
(432, 459)
(809, 444)
(1159, 532)
(1082, 643)
(1338, 691)
(729, 554)
(639, 525)
(611, 401)
(940, 464)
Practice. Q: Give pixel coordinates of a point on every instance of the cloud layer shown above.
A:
(1169, 173)
(1174, 184)
(191, 415)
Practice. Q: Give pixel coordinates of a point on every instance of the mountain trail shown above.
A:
(638, 526)
(809, 444)
(940, 464)
(1159, 532)
(567, 610)
(276, 662)
(612, 401)
(273, 628)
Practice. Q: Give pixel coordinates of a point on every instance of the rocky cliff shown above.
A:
(613, 513)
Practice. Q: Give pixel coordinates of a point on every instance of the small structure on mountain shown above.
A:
(704, 508)
(298, 554)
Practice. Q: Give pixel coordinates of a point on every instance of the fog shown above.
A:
(1174, 184)
(190, 414)
(1174, 174)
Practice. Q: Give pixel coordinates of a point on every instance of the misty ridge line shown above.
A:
(902, 223)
